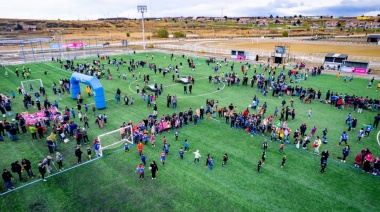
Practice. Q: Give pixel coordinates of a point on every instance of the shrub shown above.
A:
(285, 34)
(179, 35)
(162, 33)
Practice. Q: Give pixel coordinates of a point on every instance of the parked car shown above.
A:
(106, 44)
(181, 39)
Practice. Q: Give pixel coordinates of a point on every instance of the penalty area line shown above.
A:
(57, 173)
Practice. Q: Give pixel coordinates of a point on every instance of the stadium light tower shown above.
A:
(142, 9)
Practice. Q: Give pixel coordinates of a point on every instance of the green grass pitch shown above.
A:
(111, 184)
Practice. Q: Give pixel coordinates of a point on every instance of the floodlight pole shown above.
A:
(142, 9)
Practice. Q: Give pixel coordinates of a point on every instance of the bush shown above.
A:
(151, 45)
(285, 34)
(128, 34)
(179, 35)
(162, 33)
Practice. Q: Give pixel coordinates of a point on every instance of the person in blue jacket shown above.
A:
(181, 153)
(143, 159)
(211, 163)
(186, 145)
(345, 153)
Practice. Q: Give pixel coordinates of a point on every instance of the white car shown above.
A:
(181, 39)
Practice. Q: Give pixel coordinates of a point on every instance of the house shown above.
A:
(352, 23)
(9, 29)
(244, 21)
(278, 21)
(295, 22)
(181, 19)
(362, 24)
(29, 27)
(331, 24)
(262, 22)
(221, 19)
(374, 25)
(314, 26)
(33, 27)
(201, 19)
(166, 18)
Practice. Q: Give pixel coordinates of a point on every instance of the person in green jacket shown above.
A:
(33, 131)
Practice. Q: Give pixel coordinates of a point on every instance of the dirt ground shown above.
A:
(368, 51)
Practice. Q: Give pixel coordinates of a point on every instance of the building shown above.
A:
(244, 21)
(278, 21)
(373, 38)
(221, 19)
(331, 24)
(314, 26)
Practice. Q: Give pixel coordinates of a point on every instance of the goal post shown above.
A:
(32, 85)
(115, 138)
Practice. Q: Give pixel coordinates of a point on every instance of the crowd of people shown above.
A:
(255, 119)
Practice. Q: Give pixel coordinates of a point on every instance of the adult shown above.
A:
(153, 168)
(78, 154)
(59, 159)
(18, 169)
(42, 170)
(27, 167)
(7, 177)
(376, 120)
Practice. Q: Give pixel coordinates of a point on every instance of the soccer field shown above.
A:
(111, 183)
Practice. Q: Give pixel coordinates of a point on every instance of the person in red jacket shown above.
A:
(140, 147)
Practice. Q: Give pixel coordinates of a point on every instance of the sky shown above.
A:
(94, 9)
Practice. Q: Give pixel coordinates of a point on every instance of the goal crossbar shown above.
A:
(127, 138)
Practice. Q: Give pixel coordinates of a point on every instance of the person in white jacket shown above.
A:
(197, 155)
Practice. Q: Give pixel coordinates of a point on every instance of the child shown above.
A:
(283, 161)
(358, 160)
(143, 159)
(265, 145)
(140, 168)
(360, 135)
(165, 140)
(211, 163)
(89, 152)
(126, 147)
(181, 153)
(186, 145)
(163, 157)
(263, 156)
(309, 113)
(323, 166)
(259, 166)
(152, 140)
(105, 119)
(197, 155)
(225, 159)
(281, 147)
(176, 135)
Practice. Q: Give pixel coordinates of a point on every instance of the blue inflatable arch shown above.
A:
(94, 83)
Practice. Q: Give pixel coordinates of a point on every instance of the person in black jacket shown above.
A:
(42, 170)
(78, 154)
(2, 132)
(28, 167)
(7, 177)
(18, 168)
(153, 168)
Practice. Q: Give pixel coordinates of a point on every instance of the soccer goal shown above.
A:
(32, 85)
(114, 138)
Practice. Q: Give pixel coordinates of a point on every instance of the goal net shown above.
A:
(114, 138)
(32, 85)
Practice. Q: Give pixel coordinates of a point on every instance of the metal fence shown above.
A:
(294, 55)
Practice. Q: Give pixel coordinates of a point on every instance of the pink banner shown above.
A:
(240, 57)
(74, 45)
(360, 70)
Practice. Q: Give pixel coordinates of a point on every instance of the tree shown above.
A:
(331, 16)
(276, 16)
(299, 16)
(338, 24)
(162, 33)
(285, 34)
(277, 21)
(19, 27)
(271, 16)
(298, 22)
(321, 17)
(225, 17)
(295, 16)
(128, 34)
(238, 19)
